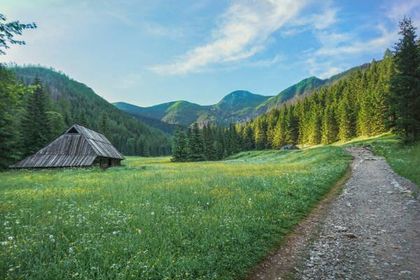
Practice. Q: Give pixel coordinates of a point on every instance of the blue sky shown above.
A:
(149, 52)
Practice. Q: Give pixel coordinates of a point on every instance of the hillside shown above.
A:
(302, 88)
(78, 103)
(237, 106)
(234, 107)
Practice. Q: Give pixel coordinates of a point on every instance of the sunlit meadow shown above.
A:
(153, 219)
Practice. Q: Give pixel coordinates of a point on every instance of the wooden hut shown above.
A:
(77, 147)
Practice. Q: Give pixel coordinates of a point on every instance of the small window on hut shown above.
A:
(72, 130)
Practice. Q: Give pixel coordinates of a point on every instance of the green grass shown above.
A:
(153, 219)
(404, 159)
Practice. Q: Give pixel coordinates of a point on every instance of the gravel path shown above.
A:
(370, 231)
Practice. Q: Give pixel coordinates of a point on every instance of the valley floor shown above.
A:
(154, 219)
(371, 231)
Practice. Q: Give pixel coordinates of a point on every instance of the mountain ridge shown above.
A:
(237, 106)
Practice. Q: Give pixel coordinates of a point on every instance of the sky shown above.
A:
(147, 52)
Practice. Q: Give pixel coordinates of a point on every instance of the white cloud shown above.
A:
(402, 8)
(337, 44)
(338, 49)
(324, 18)
(243, 31)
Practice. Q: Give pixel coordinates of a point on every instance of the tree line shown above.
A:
(206, 143)
(373, 99)
(39, 104)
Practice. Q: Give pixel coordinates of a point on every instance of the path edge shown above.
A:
(281, 263)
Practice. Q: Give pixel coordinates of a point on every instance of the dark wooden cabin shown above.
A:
(77, 147)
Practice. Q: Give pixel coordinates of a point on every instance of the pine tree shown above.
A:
(279, 130)
(405, 84)
(56, 124)
(209, 143)
(232, 140)
(345, 124)
(103, 125)
(10, 97)
(220, 143)
(329, 126)
(291, 131)
(179, 149)
(314, 125)
(247, 138)
(196, 145)
(261, 134)
(35, 125)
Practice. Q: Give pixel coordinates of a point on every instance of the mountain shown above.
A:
(146, 118)
(77, 103)
(239, 100)
(302, 88)
(237, 106)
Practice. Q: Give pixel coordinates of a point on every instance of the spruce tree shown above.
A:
(261, 134)
(247, 138)
(179, 148)
(329, 126)
(103, 125)
(279, 130)
(345, 126)
(209, 143)
(196, 144)
(291, 131)
(10, 99)
(405, 84)
(35, 125)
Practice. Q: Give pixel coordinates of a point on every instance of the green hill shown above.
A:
(302, 88)
(235, 107)
(80, 104)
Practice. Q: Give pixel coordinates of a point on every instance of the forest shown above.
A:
(382, 97)
(38, 104)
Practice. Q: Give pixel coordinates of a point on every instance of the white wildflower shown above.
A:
(10, 238)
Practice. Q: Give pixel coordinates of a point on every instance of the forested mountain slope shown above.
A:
(355, 104)
(234, 107)
(78, 103)
(237, 106)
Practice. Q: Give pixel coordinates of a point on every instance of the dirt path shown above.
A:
(370, 231)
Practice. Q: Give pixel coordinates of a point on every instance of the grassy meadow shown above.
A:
(153, 219)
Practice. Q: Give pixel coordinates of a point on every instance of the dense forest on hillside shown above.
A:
(354, 106)
(237, 106)
(367, 101)
(38, 104)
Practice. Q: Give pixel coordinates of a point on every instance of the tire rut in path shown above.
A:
(370, 231)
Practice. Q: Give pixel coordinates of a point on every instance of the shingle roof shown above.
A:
(78, 146)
